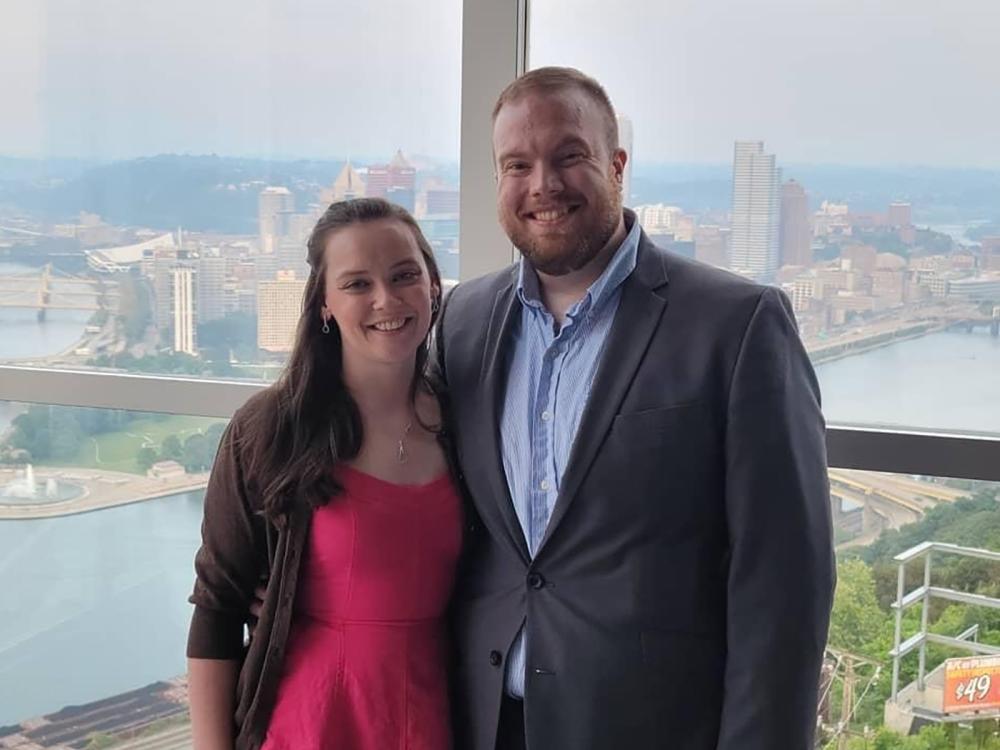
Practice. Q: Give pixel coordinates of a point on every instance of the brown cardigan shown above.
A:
(239, 547)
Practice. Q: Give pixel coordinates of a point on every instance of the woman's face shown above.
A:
(377, 291)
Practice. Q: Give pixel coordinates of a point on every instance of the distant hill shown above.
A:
(215, 193)
(201, 193)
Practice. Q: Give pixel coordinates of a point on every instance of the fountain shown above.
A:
(26, 489)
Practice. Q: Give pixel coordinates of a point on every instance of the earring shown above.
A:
(326, 327)
(435, 305)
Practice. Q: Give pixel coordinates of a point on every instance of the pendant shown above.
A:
(401, 454)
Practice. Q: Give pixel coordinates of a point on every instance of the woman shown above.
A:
(333, 484)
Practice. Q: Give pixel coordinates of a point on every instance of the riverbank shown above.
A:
(153, 717)
(824, 352)
(101, 489)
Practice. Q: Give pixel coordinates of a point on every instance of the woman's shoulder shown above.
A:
(258, 410)
(253, 422)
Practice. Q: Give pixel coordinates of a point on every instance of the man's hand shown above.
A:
(257, 605)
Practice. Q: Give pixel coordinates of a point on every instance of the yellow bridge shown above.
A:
(56, 290)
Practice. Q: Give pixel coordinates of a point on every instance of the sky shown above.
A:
(820, 81)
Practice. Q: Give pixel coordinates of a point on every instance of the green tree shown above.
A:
(197, 456)
(935, 737)
(857, 621)
(146, 457)
(172, 448)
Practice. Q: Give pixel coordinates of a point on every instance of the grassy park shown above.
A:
(118, 451)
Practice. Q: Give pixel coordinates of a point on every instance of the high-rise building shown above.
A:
(211, 284)
(899, 215)
(405, 197)
(756, 211)
(626, 140)
(183, 309)
(274, 206)
(796, 235)
(349, 184)
(279, 305)
(398, 175)
(158, 265)
(241, 286)
(442, 201)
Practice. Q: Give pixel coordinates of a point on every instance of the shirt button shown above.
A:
(546, 416)
(544, 485)
(495, 658)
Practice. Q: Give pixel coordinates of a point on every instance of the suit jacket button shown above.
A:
(496, 658)
(536, 581)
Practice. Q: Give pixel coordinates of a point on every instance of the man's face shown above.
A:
(558, 184)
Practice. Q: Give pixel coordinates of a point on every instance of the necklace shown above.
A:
(401, 452)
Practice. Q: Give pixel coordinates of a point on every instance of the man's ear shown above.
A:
(618, 161)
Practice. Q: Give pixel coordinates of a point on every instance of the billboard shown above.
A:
(972, 684)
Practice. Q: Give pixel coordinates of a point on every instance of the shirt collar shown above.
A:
(618, 269)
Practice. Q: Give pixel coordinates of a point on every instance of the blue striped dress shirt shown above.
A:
(549, 379)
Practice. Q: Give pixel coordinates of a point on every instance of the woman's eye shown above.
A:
(408, 275)
(356, 285)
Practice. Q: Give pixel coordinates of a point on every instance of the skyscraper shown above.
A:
(398, 176)
(626, 140)
(159, 264)
(796, 236)
(274, 205)
(349, 184)
(756, 211)
(211, 285)
(183, 304)
(279, 305)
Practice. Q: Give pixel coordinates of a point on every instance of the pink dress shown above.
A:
(365, 665)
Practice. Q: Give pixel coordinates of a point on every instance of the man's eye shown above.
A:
(516, 166)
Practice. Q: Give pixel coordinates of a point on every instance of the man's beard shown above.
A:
(576, 250)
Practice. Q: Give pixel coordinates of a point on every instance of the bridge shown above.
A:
(970, 322)
(52, 289)
(882, 501)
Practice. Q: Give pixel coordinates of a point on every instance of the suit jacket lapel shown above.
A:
(494, 379)
(638, 316)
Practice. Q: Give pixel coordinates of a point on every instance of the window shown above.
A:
(159, 175)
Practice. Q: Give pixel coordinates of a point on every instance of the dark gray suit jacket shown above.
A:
(681, 596)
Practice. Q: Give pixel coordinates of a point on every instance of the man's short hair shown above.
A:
(554, 80)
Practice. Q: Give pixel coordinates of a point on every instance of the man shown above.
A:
(650, 562)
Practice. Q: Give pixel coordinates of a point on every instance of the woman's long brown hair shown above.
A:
(307, 420)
